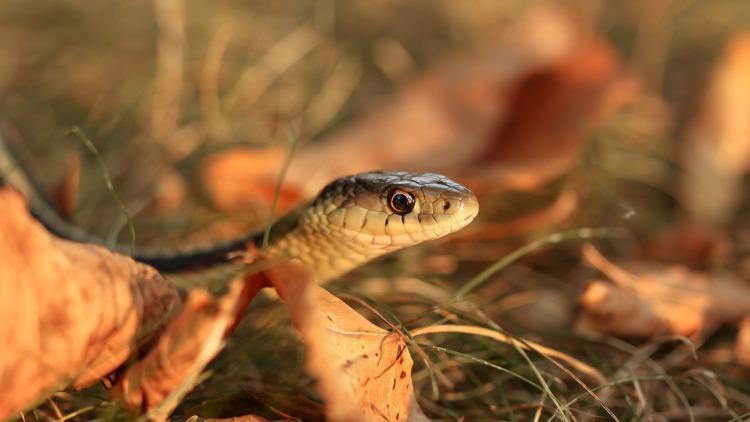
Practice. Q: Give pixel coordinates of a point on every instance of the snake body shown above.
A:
(351, 221)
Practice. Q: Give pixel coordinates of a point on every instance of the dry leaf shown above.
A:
(647, 299)
(742, 347)
(170, 370)
(69, 313)
(517, 115)
(242, 177)
(688, 244)
(553, 111)
(245, 418)
(363, 371)
(66, 194)
(620, 311)
(717, 151)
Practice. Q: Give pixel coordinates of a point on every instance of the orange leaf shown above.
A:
(742, 348)
(170, 370)
(239, 178)
(245, 418)
(363, 371)
(512, 118)
(717, 151)
(688, 244)
(552, 113)
(66, 194)
(646, 299)
(69, 313)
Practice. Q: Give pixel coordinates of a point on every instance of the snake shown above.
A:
(351, 221)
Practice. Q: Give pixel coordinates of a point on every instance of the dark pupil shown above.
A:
(402, 203)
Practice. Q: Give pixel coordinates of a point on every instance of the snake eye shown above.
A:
(401, 202)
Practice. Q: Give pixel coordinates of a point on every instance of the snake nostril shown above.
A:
(446, 206)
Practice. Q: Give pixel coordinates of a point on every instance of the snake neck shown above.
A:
(328, 255)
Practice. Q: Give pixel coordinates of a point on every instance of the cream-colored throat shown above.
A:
(328, 253)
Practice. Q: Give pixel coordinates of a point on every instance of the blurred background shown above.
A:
(560, 115)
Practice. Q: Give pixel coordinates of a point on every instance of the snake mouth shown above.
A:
(462, 211)
(470, 209)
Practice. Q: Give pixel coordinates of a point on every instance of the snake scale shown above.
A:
(351, 221)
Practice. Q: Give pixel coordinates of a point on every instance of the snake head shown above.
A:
(356, 218)
(393, 209)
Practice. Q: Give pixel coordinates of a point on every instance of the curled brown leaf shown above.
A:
(742, 347)
(193, 338)
(69, 313)
(645, 299)
(363, 371)
(515, 117)
(717, 149)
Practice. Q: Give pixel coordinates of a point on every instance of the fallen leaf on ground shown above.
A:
(646, 299)
(742, 347)
(363, 372)
(512, 118)
(158, 382)
(688, 244)
(717, 150)
(66, 193)
(69, 313)
(553, 112)
(242, 178)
